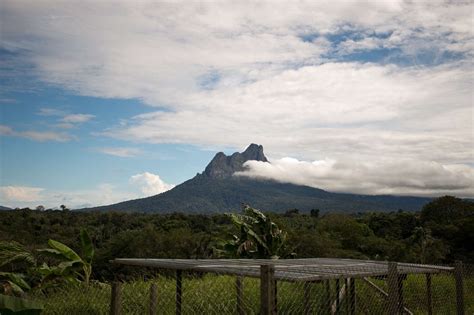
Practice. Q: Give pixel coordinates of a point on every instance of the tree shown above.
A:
(430, 250)
(314, 213)
(446, 210)
(292, 212)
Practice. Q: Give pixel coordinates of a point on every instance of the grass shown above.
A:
(216, 294)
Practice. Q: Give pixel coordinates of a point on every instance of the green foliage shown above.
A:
(14, 252)
(259, 236)
(70, 267)
(13, 283)
(70, 261)
(19, 306)
(376, 235)
(447, 210)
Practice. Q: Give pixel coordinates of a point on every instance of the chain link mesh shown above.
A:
(348, 290)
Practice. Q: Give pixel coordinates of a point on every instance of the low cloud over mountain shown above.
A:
(393, 177)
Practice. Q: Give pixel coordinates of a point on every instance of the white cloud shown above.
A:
(77, 118)
(40, 136)
(65, 120)
(140, 185)
(394, 177)
(333, 109)
(121, 151)
(158, 51)
(64, 125)
(150, 184)
(102, 194)
(6, 131)
(229, 73)
(47, 111)
(23, 194)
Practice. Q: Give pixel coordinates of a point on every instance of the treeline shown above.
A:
(441, 233)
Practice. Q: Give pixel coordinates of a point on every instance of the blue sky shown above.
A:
(101, 103)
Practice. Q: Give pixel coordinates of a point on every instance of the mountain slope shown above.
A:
(217, 190)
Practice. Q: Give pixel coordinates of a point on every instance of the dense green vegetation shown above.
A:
(49, 253)
(441, 233)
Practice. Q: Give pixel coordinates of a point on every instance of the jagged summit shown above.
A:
(223, 166)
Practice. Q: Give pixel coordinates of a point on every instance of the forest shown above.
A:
(439, 234)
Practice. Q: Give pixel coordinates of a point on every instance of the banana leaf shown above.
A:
(19, 306)
(87, 246)
(64, 250)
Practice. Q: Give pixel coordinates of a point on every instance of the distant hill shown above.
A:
(5, 208)
(217, 190)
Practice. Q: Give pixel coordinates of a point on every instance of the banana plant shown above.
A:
(12, 283)
(71, 262)
(259, 237)
(14, 252)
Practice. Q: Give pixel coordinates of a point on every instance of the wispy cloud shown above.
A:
(77, 118)
(40, 136)
(47, 111)
(121, 151)
(65, 120)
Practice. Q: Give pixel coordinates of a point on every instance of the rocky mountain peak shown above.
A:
(223, 166)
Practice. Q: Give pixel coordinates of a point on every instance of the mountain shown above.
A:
(217, 190)
(223, 166)
(5, 208)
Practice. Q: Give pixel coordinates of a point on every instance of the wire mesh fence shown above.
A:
(275, 287)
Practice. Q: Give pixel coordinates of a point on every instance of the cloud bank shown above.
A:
(385, 177)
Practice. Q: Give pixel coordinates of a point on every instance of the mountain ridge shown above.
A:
(216, 189)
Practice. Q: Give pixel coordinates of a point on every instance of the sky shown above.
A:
(105, 101)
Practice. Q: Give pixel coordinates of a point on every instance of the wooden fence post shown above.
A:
(338, 298)
(153, 299)
(393, 289)
(267, 292)
(429, 295)
(179, 291)
(351, 290)
(116, 299)
(458, 274)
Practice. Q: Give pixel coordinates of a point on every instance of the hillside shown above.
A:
(217, 190)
